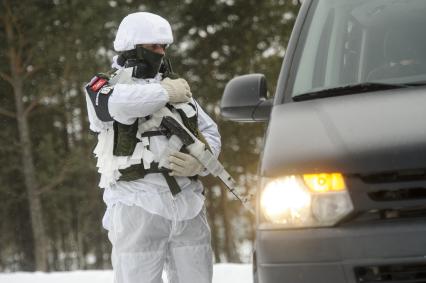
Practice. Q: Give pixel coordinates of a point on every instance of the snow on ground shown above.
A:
(222, 273)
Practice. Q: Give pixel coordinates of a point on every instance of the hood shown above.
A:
(360, 133)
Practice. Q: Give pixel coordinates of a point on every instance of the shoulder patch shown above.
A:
(100, 80)
(98, 83)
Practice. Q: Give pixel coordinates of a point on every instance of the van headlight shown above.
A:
(310, 200)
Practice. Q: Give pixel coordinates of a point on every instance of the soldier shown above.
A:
(155, 210)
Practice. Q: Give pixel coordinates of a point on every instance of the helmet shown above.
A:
(142, 28)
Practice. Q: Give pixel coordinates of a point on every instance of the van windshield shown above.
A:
(352, 42)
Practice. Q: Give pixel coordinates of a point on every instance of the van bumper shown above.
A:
(349, 254)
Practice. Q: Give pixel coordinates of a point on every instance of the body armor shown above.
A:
(131, 142)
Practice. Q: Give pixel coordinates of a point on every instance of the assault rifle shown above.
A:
(179, 136)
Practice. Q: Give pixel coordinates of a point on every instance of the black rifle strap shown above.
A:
(170, 180)
(153, 133)
(172, 183)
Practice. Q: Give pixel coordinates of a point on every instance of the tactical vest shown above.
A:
(125, 141)
(126, 137)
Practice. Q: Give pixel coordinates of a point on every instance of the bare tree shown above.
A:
(16, 77)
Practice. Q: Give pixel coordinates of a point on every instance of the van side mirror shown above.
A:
(244, 99)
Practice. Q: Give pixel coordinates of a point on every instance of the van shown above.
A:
(342, 196)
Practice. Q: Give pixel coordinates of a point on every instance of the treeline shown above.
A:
(51, 208)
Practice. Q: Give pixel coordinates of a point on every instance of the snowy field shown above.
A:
(222, 273)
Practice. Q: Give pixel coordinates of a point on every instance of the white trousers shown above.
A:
(145, 243)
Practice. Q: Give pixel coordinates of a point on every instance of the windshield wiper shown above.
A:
(348, 89)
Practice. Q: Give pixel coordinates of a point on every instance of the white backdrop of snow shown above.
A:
(222, 273)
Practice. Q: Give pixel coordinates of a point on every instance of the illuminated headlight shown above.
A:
(306, 201)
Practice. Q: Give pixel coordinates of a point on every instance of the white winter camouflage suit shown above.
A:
(150, 230)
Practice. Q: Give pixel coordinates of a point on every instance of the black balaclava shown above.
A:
(145, 63)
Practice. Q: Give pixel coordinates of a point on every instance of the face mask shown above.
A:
(145, 63)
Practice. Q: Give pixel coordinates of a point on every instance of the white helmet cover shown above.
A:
(142, 28)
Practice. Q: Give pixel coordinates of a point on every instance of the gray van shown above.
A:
(343, 190)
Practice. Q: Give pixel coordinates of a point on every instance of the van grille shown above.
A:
(395, 176)
(400, 194)
(388, 195)
(410, 273)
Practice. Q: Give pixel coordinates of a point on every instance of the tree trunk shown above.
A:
(99, 249)
(212, 215)
(31, 185)
(229, 244)
(36, 216)
(75, 231)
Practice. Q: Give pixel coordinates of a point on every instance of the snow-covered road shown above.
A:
(223, 273)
